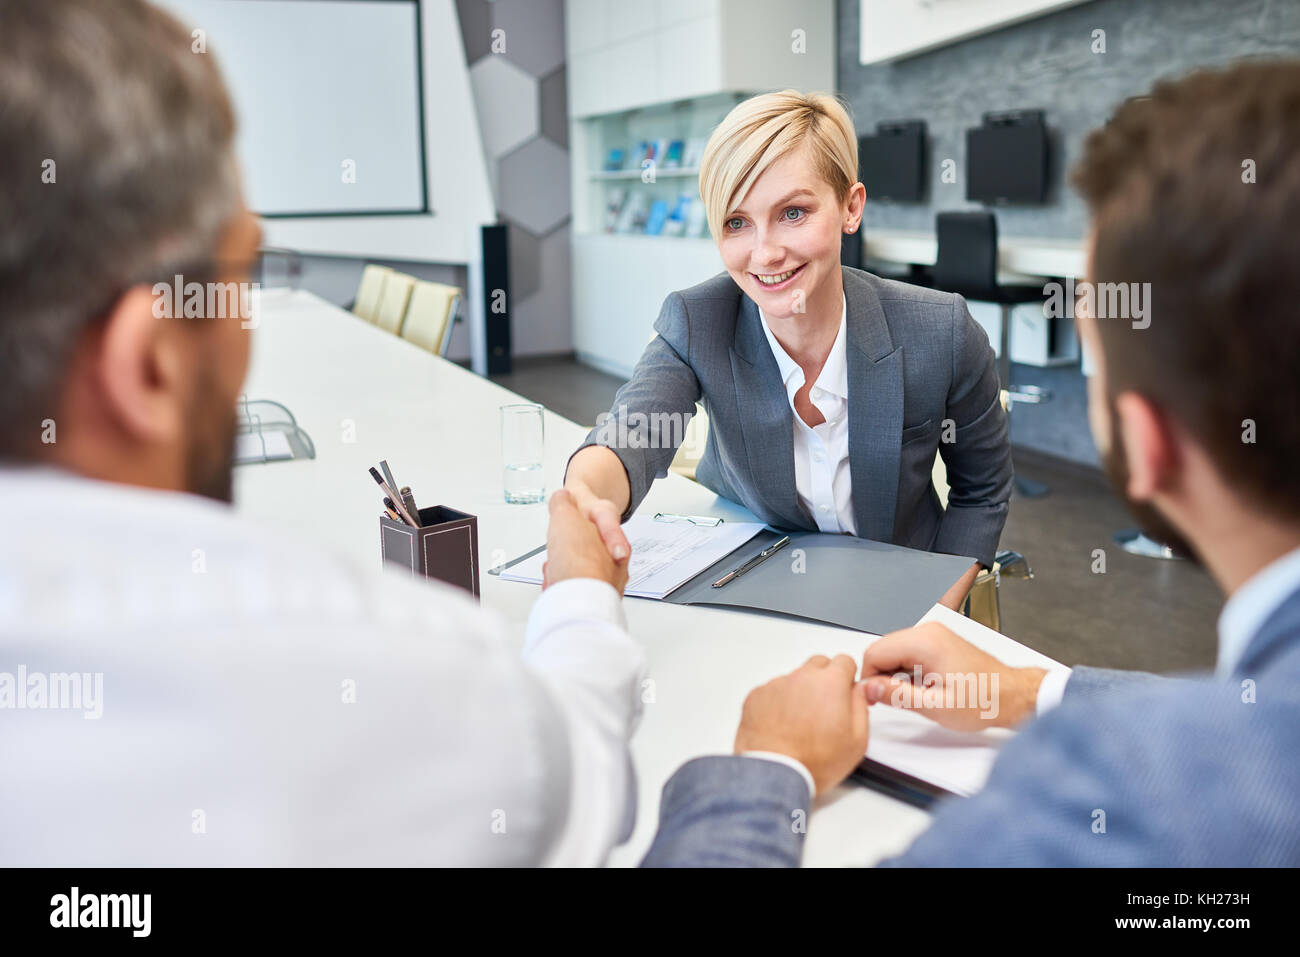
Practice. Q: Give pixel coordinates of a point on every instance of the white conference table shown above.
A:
(365, 395)
(1019, 258)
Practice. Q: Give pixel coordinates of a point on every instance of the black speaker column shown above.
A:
(496, 298)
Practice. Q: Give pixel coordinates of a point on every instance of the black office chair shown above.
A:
(967, 264)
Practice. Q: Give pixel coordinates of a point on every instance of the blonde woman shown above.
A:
(828, 389)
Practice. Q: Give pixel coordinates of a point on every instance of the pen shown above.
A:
(388, 474)
(761, 557)
(396, 499)
(409, 501)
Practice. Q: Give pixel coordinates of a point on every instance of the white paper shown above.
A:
(664, 554)
(958, 761)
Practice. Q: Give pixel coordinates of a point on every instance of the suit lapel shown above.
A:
(875, 410)
(766, 419)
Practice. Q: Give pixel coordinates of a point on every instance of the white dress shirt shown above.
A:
(1251, 605)
(821, 453)
(262, 703)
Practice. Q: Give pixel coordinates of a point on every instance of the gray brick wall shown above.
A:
(1048, 63)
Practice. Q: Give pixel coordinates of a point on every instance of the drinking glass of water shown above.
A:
(522, 445)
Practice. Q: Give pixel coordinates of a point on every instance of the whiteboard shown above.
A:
(892, 29)
(328, 99)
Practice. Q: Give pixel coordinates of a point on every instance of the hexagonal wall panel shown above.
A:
(533, 186)
(475, 18)
(534, 33)
(540, 323)
(506, 100)
(555, 109)
(525, 262)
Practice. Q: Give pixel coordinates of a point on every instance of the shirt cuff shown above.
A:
(1052, 690)
(789, 762)
(574, 600)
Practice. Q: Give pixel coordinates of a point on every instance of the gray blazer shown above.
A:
(915, 359)
(1188, 772)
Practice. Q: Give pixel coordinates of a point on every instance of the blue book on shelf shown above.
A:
(614, 161)
(676, 225)
(654, 224)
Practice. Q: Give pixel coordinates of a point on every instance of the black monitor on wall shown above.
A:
(891, 164)
(1006, 159)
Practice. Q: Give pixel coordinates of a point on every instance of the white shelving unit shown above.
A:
(637, 174)
(663, 70)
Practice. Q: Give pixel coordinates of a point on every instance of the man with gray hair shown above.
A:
(262, 704)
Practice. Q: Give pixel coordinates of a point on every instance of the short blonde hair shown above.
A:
(763, 129)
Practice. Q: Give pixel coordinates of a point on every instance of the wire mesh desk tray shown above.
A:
(268, 432)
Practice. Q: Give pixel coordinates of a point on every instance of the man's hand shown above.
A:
(961, 687)
(574, 548)
(605, 515)
(815, 715)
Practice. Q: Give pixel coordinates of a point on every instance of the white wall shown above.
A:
(459, 193)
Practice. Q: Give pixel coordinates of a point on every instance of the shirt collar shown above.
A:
(1251, 605)
(833, 378)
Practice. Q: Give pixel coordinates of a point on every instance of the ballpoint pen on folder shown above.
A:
(758, 559)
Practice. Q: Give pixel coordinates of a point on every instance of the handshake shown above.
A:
(817, 714)
(584, 540)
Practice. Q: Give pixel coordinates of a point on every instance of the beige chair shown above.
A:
(370, 290)
(393, 302)
(430, 314)
(691, 450)
(982, 602)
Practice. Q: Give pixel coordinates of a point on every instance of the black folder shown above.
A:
(841, 580)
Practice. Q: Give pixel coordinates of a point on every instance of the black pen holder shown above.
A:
(445, 548)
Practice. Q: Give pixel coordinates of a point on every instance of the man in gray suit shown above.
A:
(1194, 193)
